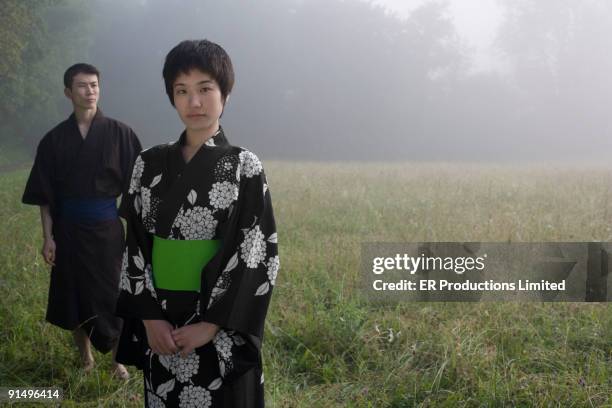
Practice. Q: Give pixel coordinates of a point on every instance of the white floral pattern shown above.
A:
(137, 204)
(196, 223)
(273, 265)
(184, 368)
(124, 280)
(145, 201)
(194, 397)
(250, 165)
(253, 248)
(226, 167)
(153, 401)
(223, 344)
(223, 194)
(148, 275)
(223, 282)
(136, 175)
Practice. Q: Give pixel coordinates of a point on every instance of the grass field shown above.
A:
(12, 155)
(325, 345)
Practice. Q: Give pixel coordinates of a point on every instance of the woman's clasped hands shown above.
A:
(164, 339)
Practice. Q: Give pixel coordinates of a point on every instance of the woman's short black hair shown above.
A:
(80, 68)
(204, 55)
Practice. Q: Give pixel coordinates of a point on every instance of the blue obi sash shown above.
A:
(88, 209)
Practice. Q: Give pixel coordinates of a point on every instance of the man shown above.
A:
(81, 167)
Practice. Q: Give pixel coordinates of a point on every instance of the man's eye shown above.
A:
(205, 89)
(180, 92)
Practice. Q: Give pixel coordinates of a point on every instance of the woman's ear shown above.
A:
(224, 103)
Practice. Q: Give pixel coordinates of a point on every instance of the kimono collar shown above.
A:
(73, 125)
(99, 115)
(218, 139)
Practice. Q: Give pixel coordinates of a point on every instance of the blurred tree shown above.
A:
(559, 51)
(39, 39)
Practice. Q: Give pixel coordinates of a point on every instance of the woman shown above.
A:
(201, 256)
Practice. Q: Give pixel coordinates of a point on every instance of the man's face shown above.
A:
(198, 100)
(85, 91)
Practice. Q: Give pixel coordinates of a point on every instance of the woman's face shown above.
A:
(198, 100)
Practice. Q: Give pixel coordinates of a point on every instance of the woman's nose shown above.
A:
(194, 100)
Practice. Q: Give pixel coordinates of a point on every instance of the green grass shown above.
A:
(325, 345)
(12, 155)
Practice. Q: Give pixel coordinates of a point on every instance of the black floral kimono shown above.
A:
(220, 194)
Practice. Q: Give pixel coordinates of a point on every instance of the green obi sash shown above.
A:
(177, 264)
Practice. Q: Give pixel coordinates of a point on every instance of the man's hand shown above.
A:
(48, 251)
(160, 337)
(192, 336)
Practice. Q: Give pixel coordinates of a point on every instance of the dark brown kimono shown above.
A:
(85, 279)
(222, 193)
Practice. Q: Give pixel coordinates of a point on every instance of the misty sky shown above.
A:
(476, 21)
(467, 80)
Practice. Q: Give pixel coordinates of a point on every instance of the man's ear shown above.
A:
(68, 93)
(226, 99)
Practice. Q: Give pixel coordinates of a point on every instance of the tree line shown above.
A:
(38, 39)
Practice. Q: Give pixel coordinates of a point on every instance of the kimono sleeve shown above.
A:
(137, 297)
(130, 148)
(39, 187)
(241, 294)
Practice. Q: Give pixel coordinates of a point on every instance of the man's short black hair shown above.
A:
(204, 55)
(80, 68)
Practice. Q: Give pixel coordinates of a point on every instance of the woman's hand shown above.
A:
(192, 336)
(159, 336)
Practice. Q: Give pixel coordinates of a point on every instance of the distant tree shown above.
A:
(16, 22)
(39, 39)
(560, 52)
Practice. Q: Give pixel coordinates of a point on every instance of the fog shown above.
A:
(494, 81)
